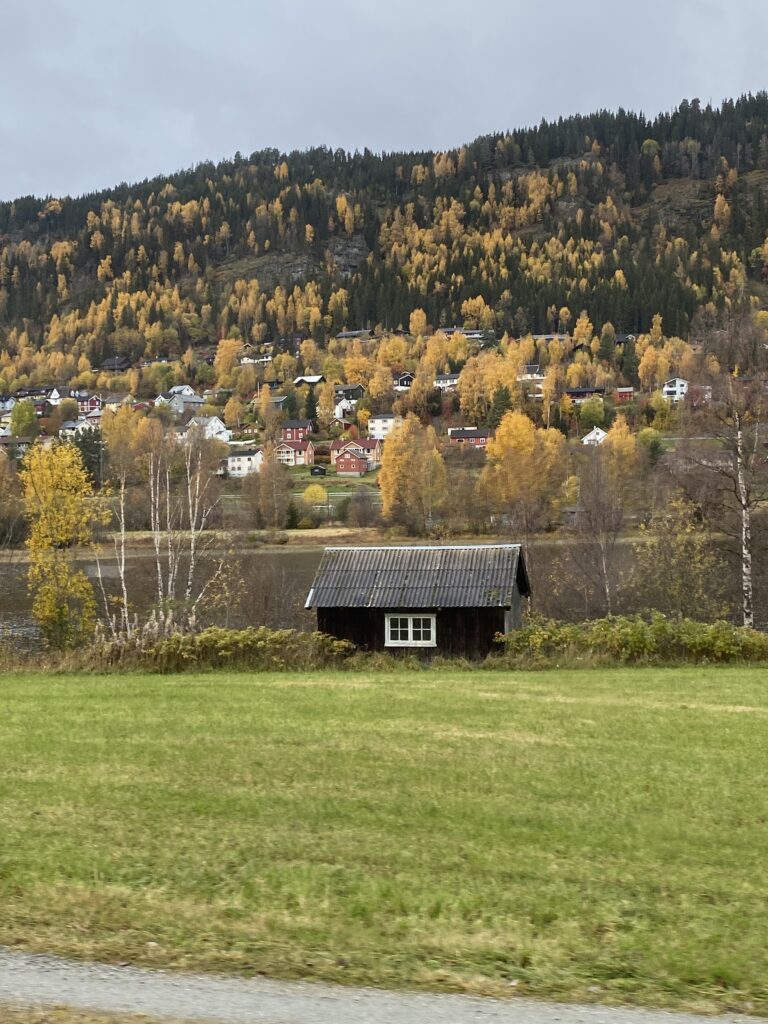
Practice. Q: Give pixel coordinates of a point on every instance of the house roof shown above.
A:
(596, 434)
(466, 432)
(298, 424)
(203, 421)
(444, 576)
(296, 446)
(366, 443)
(244, 453)
(354, 334)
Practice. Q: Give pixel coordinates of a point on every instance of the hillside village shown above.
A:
(553, 332)
(331, 411)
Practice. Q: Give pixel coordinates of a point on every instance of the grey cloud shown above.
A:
(95, 94)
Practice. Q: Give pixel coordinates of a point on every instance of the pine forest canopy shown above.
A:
(612, 213)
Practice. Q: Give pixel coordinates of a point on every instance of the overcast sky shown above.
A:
(95, 93)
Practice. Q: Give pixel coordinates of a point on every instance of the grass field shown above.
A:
(579, 835)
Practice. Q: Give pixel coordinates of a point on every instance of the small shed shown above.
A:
(447, 599)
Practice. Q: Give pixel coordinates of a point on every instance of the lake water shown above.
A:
(263, 587)
(269, 586)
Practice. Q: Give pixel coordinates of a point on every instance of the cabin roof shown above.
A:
(444, 576)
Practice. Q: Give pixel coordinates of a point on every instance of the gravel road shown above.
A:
(44, 980)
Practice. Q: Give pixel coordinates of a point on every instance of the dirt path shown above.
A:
(44, 981)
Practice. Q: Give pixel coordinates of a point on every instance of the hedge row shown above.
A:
(633, 640)
(256, 648)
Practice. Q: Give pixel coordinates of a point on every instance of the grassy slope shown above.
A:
(570, 834)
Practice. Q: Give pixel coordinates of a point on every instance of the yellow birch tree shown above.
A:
(61, 508)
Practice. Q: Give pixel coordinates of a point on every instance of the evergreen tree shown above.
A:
(500, 404)
(91, 447)
(310, 406)
(629, 363)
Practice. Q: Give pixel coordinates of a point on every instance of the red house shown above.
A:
(623, 394)
(296, 430)
(350, 464)
(368, 448)
(88, 403)
(472, 436)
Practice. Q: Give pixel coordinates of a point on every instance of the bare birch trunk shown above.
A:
(746, 529)
(604, 568)
(121, 559)
(154, 510)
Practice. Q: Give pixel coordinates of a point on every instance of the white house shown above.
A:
(343, 408)
(675, 389)
(595, 436)
(446, 381)
(56, 395)
(531, 374)
(180, 398)
(243, 461)
(211, 428)
(380, 426)
(174, 402)
(71, 428)
(252, 360)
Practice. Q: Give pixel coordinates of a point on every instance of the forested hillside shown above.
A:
(615, 214)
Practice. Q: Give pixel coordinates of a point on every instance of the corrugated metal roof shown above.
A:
(444, 576)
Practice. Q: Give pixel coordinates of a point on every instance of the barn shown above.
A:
(446, 599)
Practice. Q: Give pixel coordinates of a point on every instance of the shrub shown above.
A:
(630, 640)
(256, 648)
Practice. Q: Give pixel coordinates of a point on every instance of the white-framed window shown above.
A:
(403, 630)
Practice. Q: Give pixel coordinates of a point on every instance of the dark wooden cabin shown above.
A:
(447, 599)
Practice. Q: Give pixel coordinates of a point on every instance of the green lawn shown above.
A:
(587, 835)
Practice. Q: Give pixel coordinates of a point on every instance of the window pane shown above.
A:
(398, 628)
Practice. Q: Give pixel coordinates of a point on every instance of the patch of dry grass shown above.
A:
(63, 1015)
